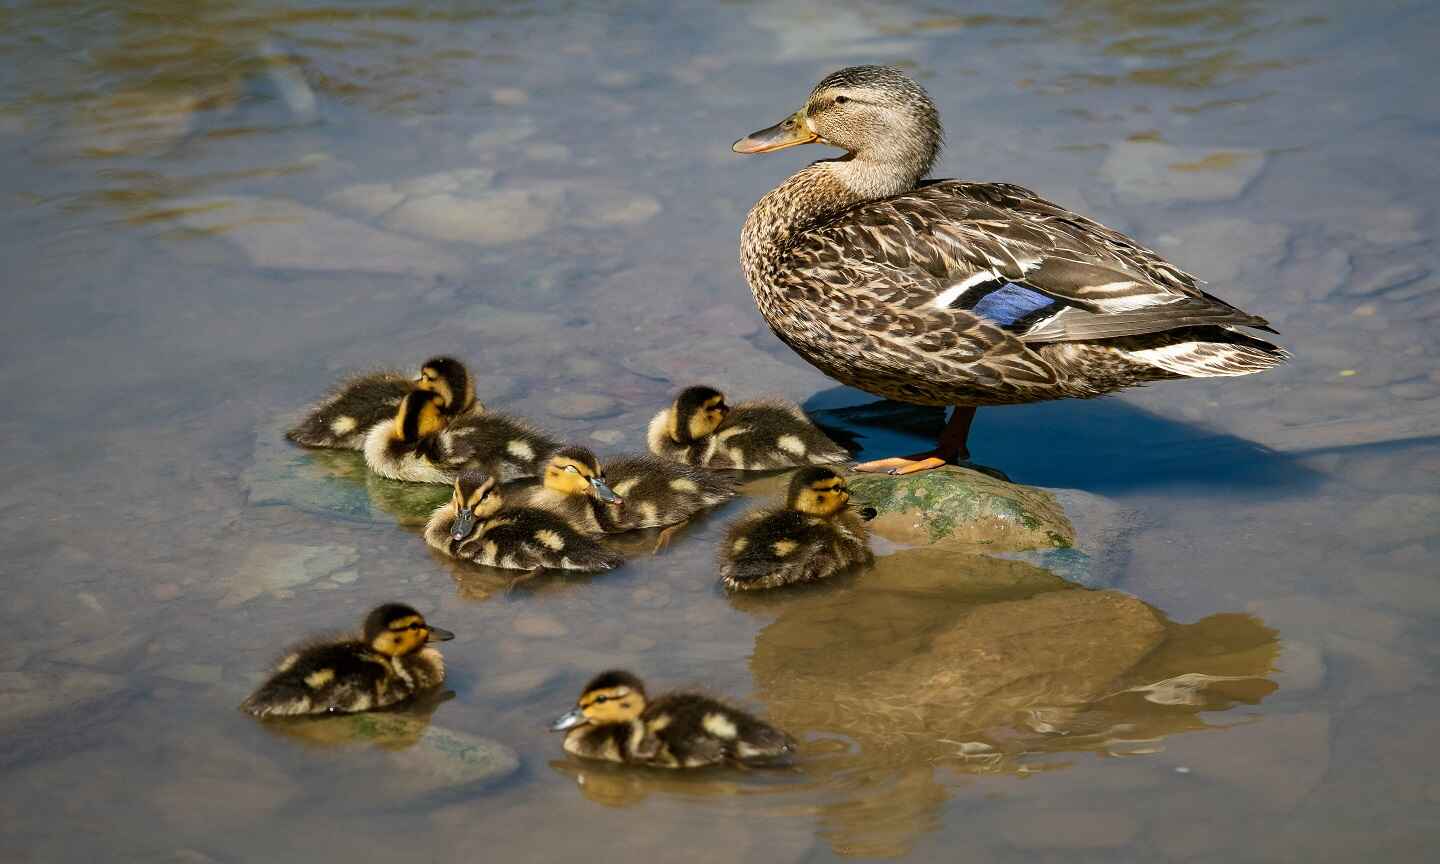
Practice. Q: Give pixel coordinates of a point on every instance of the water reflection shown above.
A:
(396, 729)
(938, 665)
(973, 665)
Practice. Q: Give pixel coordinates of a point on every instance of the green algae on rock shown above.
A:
(958, 506)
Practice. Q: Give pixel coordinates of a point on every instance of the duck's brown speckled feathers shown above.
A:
(341, 420)
(962, 293)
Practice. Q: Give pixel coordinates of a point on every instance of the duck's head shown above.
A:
(448, 379)
(876, 113)
(818, 491)
(419, 415)
(476, 496)
(576, 471)
(610, 697)
(696, 413)
(395, 630)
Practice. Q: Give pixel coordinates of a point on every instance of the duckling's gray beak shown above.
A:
(569, 720)
(464, 523)
(787, 133)
(604, 492)
(439, 634)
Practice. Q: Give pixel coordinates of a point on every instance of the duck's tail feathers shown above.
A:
(1239, 355)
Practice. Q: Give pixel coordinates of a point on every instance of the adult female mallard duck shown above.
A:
(342, 419)
(389, 663)
(624, 494)
(701, 428)
(615, 722)
(949, 292)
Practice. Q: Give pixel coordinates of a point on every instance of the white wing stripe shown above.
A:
(956, 291)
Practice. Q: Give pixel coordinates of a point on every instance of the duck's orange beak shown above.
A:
(787, 133)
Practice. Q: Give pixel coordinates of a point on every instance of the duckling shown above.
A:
(388, 664)
(342, 420)
(615, 722)
(421, 445)
(647, 492)
(813, 536)
(476, 524)
(701, 429)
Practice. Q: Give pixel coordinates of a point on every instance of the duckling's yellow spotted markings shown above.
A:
(647, 493)
(615, 722)
(423, 443)
(700, 428)
(390, 663)
(342, 420)
(477, 524)
(812, 536)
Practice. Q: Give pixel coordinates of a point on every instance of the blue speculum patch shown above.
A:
(1010, 302)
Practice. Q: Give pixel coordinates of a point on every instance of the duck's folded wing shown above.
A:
(953, 251)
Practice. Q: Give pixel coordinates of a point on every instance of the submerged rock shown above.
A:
(1152, 171)
(334, 483)
(428, 758)
(958, 506)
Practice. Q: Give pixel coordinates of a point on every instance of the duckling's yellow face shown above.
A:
(406, 635)
(574, 471)
(450, 381)
(824, 496)
(418, 416)
(697, 413)
(474, 497)
(619, 704)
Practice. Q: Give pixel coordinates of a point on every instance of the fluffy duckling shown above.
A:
(701, 429)
(477, 525)
(422, 445)
(389, 663)
(342, 420)
(624, 494)
(813, 536)
(613, 721)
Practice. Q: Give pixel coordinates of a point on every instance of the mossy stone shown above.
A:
(960, 507)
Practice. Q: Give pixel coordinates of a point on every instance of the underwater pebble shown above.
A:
(608, 436)
(1152, 171)
(509, 96)
(281, 234)
(1072, 829)
(651, 597)
(580, 406)
(1301, 666)
(277, 568)
(539, 626)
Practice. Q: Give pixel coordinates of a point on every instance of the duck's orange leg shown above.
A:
(950, 449)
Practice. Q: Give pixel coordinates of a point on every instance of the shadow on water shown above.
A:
(931, 669)
(1107, 446)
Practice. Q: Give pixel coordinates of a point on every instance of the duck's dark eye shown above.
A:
(601, 699)
(841, 100)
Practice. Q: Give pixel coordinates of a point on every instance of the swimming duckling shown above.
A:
(701, 429)
(477, 525)
(813, 536)
(624, 494)
(615, 722)
(421, 445)
(388, 664)
(342, 420)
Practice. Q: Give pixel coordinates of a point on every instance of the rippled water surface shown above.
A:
(217, 208)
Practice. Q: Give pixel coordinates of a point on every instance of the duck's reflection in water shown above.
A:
(938, 665)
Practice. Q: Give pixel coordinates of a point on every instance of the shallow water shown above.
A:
(218, 208)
